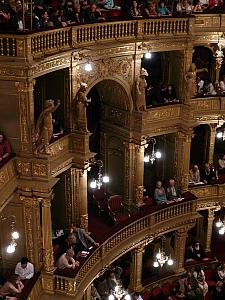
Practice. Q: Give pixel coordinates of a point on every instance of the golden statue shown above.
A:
(81, 102)
(44, 126)
(141, 85)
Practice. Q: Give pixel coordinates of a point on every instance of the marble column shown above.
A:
(213, 128)
(182, 158)
(31, 211)
(47, 234)
(136, 268)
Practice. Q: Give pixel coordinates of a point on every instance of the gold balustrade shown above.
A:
(34, 45)
(127, 236)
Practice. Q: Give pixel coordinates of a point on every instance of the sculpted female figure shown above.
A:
(141, 85)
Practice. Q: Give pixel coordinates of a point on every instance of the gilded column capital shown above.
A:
(45, 202)
(25, 86)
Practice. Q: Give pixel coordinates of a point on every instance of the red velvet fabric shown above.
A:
(156, 292)
(167, 289)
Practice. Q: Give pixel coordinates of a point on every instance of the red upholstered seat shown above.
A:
(146, 295)
(100, 197)
(209, 277)
(157, 291)
(148, 200)
(116, 209)
(167, 289)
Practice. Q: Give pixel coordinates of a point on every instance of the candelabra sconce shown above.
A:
(220, 225)
(162, 258)
(154, 154)
(98, 182)
(119, 293)
(11, 248)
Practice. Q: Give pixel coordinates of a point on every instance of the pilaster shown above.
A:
(136, 268)
(179, 248)
(182, 158)
(213, 128)
(211, 215)
(31, 211)
(47, 234)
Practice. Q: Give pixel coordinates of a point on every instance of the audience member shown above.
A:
(221, 163)
(66, 260)
(198, 251)
(112, 281)
(150, 10)
(222, 85)
(162, 10)
(92, 14)
(209, 89)
(24, 269)
(208, 176)
(218, 293)
(200, 276)
(170, 94)
(192, 291)
(181, 286)
(172, 191)
(135, 11)
(94, 293)
(68, 243)
(82, 238)
(184, 7)
(160, 194)
(5, 149)
(194, 175)
(189, 254)
(221, 272)
(200, 86)
(12, 287)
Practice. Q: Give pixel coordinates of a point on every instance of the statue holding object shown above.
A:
(141, 86)
(81, 102)
(44, 127)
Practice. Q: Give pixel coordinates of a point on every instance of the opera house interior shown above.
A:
(112, 149)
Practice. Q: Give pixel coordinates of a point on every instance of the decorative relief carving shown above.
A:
(40, 170)
(6, 174)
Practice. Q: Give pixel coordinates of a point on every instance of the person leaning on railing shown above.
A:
(5, 149)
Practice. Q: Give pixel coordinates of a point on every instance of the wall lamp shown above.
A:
(98, 182)
(14, 234)
(154, 154)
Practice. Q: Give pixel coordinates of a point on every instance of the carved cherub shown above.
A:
(81, 102)
(44, 126)
(141, 85)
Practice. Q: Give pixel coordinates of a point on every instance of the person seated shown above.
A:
(218, 293)
(112, 281)
(162, 10)
(170, 94)
(92, 14)
(78, 16)
(184, 7)
(194, 175)
(66, 260)
(198, 8)
(200, 86)
(222, 85)
(172, 191)
(208, 176)
(160, 194)
(12, 287)
(180, 287)
(200, 276)
(215, 5)
(189, 254)
(68, 243)
(192, 288)
(109, 4)
(209, 89)
(83, 239)
(5, 149)
(135, 11)
(24, 269)
(221, 272)
(221, 163)
(150, 10)
(198, 251)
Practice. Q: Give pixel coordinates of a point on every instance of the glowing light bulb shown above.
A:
(88, 67)
(148, 55)
(158, 255)
(221, 231)
(146, 158)
(93, 184)
(15, 235)
(158, 154)
(117, 288)
(105, 179)
(219, 135)
(127, 297)
(156, 264)
(170, 262)
(219, 223)
(11, 249)
(111, 297)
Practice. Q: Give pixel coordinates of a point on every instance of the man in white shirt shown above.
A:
(24, 269)
(66, 260)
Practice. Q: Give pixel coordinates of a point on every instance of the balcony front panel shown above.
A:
(207, 22)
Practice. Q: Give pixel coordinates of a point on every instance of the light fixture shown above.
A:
(97, 183)
(119, 293)
(154, 154)
(162, 258)
(88, 67)
(148, 55)
(11, 248)
(220, 225)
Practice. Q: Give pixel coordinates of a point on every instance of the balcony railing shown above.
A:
(126, 237)
(29, 46)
